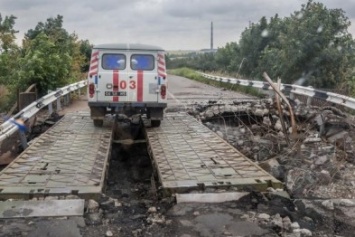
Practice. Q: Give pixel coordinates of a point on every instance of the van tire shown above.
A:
(98, 122)
(155, 123)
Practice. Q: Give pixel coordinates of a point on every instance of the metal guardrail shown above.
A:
(9, 126)
(343, 100)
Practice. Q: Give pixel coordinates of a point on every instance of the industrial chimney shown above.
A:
(211, 35)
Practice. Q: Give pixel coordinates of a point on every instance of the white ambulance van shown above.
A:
(127, 79)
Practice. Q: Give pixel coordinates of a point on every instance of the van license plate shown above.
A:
(115, 93)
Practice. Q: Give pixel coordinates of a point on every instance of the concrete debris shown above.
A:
(264, 216)
(91, 206)
(273, 167)
(156, 219)
(309, 162)
(152, 210)
(137, 232)
(286, 221)
(330, 212)
(94, 218)
(295, 225)
(108, 204)
(109, 233)
(277, 221)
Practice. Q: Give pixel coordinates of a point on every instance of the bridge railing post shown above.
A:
(59, 106)
(309, 98)
(59, 102)
(66, 99)
(50, 108)
(50, 105)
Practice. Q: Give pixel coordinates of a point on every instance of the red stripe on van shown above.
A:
(115, 82)
(139, 86)
(94, 60)
(94, 67)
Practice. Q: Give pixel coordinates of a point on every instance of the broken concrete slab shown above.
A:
(50, 208)
(56, 228)
(209, 197)
(273, 167)
(337, 136)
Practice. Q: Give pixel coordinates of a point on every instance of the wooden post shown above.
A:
(278, 103)
(293, 120)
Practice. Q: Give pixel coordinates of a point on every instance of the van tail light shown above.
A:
(163, 91)
(91, 90)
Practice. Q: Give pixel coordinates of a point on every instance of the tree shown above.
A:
(9, 51)
(53, 27)
(52, 57)
(228, 57)
(314, 46)
(44, 64)
(7, 33)
(253, 41)
(85, 50)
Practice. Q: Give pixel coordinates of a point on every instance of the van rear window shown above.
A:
(113, 61)
(143, 62)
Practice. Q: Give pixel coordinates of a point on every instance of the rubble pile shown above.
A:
(315, 161)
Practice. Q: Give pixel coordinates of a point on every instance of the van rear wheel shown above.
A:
(155, 123)
(98, 122)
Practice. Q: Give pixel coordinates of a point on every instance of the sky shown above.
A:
(171, 24)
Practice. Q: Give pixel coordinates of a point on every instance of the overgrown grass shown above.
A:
(193, 75)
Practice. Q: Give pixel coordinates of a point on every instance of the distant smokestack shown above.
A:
(211, 34)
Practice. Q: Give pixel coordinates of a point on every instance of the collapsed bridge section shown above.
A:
(187, 156)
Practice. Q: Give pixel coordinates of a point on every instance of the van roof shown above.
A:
(129, 47)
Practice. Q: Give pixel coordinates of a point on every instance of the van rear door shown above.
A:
(112, 81)
(143, 76)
